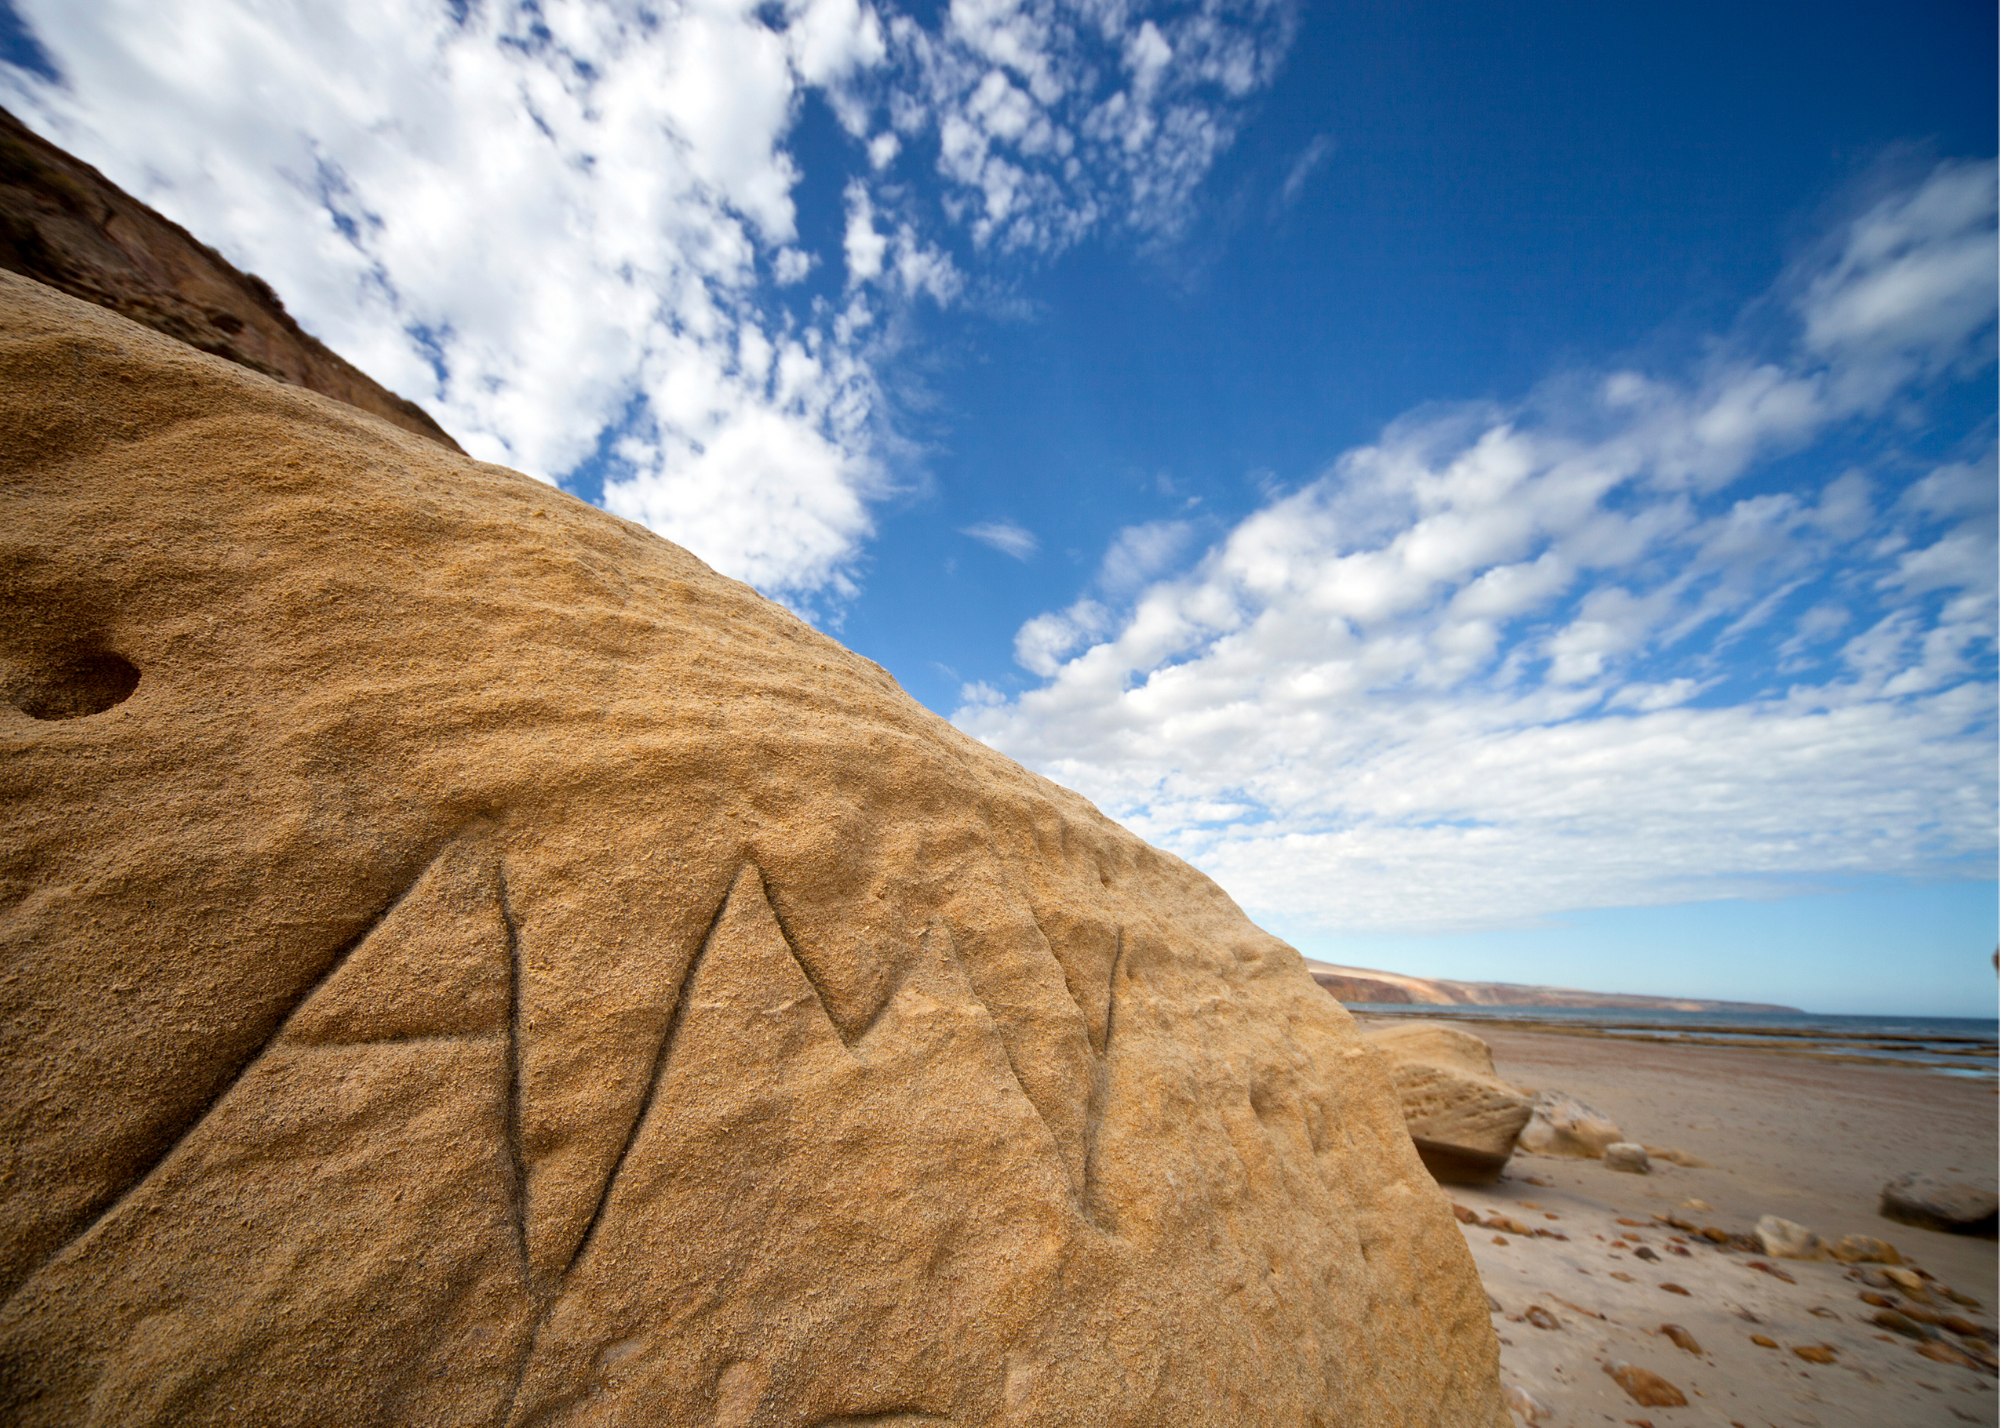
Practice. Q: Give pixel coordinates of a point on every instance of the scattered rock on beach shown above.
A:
(1784, 1239)
(1932, 1204)
(1681, 1337)
(1816, 1353)
(1563, 1125)
(1898, 1323)
(1863, 1249)
(1677, 1157)
(493, 969)
(1644, 1387)
(1627, 1156)
(1463, 1118)
(1532, 1409)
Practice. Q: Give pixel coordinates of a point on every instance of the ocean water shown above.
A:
(1950, 1045)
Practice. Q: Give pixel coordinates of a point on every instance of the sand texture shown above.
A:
(464, 962)
(1807, 1141)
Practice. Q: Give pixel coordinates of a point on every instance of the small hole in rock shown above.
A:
(75, 686)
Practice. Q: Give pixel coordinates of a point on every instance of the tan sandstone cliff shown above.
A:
(65, 224)
(462, 961)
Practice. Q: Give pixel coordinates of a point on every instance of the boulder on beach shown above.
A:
(1934, 1204)
(1563, 1125)
(1462, 1117)
(466, 962)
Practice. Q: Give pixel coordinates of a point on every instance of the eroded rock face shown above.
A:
(481, 967)
(1462, 1117)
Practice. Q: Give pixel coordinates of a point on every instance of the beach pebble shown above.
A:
(1863, 1249)
(1910, 1282)
(1677, 1157)
(1940, 1205)
(1815, 1353)
(1644, 1387)
(1531, 1408)
(1675, 1289)
(1955, 1297)
(1541, 1318)
(1696, 1205)
(1897, 1323)
(1627, 1156)
(1643, 1253)
(1464, 1215)
(1965, 1328)
(1681, 1337)
(1786, 1239)
(1946, 1354)
(1772, 1270)
(1764, 1341)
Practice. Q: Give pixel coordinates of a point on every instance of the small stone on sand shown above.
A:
(1681, 1337)
(1627, 1156)
(1864, 1249)
(1644, 1387)
(1764, 1341)
(1788, 1240)
(1674, 1289)
(1815, 1353)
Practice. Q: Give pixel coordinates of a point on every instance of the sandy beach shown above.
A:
(1808, 1140)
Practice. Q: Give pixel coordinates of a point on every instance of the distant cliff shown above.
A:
(1362, 984)
(65, 224)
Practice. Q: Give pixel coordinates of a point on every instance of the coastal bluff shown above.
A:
(65, 224)
(463, 961)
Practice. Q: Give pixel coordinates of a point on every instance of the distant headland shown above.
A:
(1363, 984)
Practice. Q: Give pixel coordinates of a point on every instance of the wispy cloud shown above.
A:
(1304, 167)
(1005, 537)
(569, 227)
(1512, 660)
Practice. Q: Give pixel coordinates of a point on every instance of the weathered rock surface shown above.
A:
(1933, 1204)
(464, 962)
(1462, 1117)
(1563, 1125)
(65, 224)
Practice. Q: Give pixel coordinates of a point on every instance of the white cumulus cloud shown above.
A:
(1509, 661)
(568, 227)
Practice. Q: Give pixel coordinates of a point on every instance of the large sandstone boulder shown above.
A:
(464, 962)
(1462, 1117)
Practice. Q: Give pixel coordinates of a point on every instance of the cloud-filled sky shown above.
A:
(1508, 496)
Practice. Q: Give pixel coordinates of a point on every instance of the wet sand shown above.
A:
(1806, 1139)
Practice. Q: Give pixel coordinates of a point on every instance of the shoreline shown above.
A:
(1980, 1058)
(1804, 1136)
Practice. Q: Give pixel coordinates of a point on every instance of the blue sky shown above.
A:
(1509, 491)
